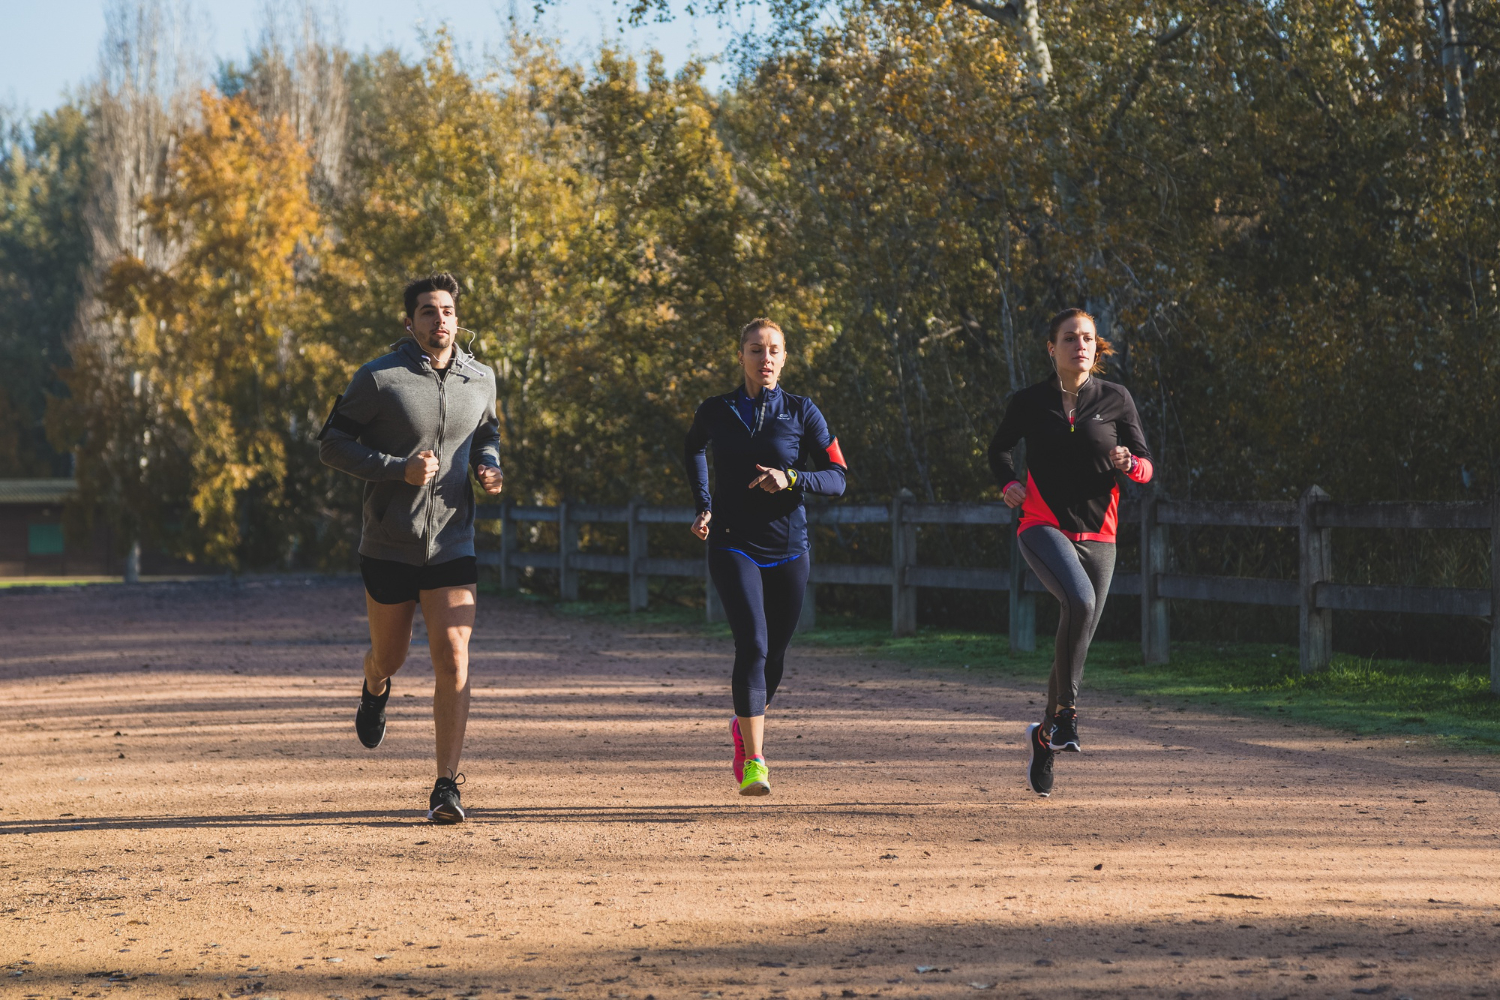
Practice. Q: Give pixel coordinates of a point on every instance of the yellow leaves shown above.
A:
(888, 189)
(212, 333)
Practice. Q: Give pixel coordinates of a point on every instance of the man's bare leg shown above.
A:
(390, 637)
(449, 613)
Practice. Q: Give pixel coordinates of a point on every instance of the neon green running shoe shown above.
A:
(757, 780)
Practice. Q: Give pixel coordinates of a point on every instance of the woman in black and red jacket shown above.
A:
(1081, 433)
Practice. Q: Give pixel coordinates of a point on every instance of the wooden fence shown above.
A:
(1314, 593)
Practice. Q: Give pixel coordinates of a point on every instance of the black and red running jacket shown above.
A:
(1070, 481)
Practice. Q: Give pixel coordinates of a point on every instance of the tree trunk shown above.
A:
(133, 562)
(1025, 16)
(1453, 66)
(1036, 44)
(1414, 50)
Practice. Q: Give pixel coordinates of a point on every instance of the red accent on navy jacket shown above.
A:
(1070, 482)
(786, 432)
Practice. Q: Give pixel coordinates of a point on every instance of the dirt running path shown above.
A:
(186, 813)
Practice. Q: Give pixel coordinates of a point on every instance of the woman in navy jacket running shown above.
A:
(1081, 432)
(763, 439)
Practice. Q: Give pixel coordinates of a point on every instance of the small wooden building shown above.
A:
(33, 541)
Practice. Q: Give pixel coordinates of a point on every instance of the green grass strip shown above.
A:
(47, 581)
(1447, 703)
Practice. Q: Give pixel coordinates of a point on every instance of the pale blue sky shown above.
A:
(54, 46)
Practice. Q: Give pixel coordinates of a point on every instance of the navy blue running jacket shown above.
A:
(784, 434)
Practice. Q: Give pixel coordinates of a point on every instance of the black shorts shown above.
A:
(390, 582)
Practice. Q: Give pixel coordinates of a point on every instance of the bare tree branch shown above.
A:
(298, 73)
(1008, 15)
(1143, 72)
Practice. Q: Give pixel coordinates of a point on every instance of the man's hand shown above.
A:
(421, 468)
(1120, 457)
(491, 478)
(1014, 495)
(770, 480)
(700, 524)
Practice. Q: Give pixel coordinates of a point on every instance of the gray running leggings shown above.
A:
(1078, 575)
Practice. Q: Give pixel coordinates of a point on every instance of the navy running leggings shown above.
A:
(1078, 575)
(762, 605)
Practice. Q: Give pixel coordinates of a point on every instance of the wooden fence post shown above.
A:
(509, 544)
(1314, 566)
(713, 607)
(1022, 602)
(809, 617)
(1156, 634)
(1495, 594)
(903, 554)
(637, 542)
(567, 544)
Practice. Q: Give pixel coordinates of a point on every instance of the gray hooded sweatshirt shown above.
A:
(395, 407)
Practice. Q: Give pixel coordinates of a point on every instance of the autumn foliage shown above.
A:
(196, 402)
(1283, 213)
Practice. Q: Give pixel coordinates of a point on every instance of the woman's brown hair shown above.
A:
(759, 323)
(1105, 348)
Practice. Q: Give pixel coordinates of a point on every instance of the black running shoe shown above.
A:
(1065, 731)
(369, 721)
(1039, 768)
(443, 806)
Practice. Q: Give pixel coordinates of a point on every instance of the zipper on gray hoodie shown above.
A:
(395, 407)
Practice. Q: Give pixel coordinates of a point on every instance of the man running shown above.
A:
(411, 425)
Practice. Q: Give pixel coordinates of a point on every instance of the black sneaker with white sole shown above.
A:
(1039, 764)
(369, 721)
(444, 806)
(1065, 731)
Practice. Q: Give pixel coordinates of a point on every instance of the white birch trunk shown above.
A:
(1036, 44)
(1453, 66)
(1028, 19)
(1419, 17)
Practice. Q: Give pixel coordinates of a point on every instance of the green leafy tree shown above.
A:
(44, 254)
(608, 250)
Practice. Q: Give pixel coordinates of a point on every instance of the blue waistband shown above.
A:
(763, 565)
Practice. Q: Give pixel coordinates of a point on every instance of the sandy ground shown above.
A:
(187, 813)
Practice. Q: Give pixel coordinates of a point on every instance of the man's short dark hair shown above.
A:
(443, 282)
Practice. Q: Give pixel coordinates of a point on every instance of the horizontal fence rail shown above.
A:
(1314, 593)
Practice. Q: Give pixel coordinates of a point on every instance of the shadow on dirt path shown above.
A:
(185, 813)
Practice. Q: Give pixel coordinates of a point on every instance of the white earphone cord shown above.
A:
(472, 336)
(469, 348)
